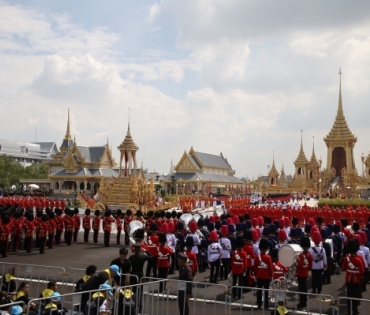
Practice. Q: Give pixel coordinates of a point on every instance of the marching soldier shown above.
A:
(86, 224)
(118, 222)
(127, 220)
(353, 266)
(68, 222)
(4, 235)
(76, 224)
(263, 270)
(51, 229)
(59, 225)
(164, 253)
(279, 270)
(151, 268)
(238, 266)
(96, 225)
(248, 249)
(16, 228)
(43, 232)
(304, 265)
(107, 227)
(28, 232)
(192, 257)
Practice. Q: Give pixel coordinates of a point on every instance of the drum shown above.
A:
(186, 218)
(220, 210)
(197, 216)
(288, 254)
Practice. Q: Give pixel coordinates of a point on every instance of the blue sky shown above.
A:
(238, 77)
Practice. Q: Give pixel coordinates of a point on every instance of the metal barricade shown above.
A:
(243, 299)
(36, 275)
(346, 305)
(165, 294)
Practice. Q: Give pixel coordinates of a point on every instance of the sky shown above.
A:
(238, 77)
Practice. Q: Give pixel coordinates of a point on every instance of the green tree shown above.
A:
(36, 170)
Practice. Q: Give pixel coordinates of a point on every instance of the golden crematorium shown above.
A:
(129, 190)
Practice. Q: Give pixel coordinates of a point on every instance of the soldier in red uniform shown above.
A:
(42, 232)
(192, 257)
(96, 225)
(16, 228)
(68, 225)
(51, 229)
(86, 224)
(248, 249)
(163, 264)
(52, 203)
(149, 221)
(118, 222)
(59, 223)
(151, 269)
(107, 227)
(28, 228)
(263, 270)
(354, 268)
(63, 205)
(279, 270)
(76, 224)
(304, 265)
(37, 222)
(127, 220)
(139, 216)
(238, 266)
(4, 235)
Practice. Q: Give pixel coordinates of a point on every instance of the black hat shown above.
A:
(247, 235)
(154, 227)
(353, 245)
(239, 242)
(139, 233)
(97, 213)
(275, 253)
(75, 210)
(294, 221)
(150, 213)
(168, 215)
(51, 215)
(29, 216)
(247, 216)
(119, 212)
(336, 228)
(189, 242)
(139, 213)
(44, 217)
(107, 213)
(128, 212)
(88, 211)
(264, 244)
(305, 242)
(344, 222)
(319, 220)
(174, 214)
(162, 238)
(182, 256)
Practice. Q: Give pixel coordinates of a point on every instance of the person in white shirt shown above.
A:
(319, 262)
(225, 252)
(214, 256)
(193, 227)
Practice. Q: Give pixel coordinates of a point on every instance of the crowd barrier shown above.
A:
(36, 275)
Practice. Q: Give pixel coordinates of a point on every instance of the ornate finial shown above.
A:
(74, 138)
(68, 132)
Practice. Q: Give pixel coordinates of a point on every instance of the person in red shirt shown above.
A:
(96, 225)
(28, 228)
(37, 222)
(263, 270)
(4, 235)
(279, 270)
(192, 257)
(76, 224)
(127, 220)
(63, 204)
(118, 221)
(16, 228)
(59, 223)
(304, 265)
(107, 227)
(238, 266)
(354, 268)
(86, 224)
(164, 253)
(151, 269)
(42, 233)
(248, 249)
(51, 229)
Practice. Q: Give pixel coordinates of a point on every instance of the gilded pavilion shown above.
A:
(76, 168)
(340, 172)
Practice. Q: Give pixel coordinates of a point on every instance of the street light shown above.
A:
(320, 181)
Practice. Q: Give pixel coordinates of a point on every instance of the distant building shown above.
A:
(27, 153)
(203, 173)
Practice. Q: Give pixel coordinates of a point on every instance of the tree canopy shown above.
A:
(11, 171)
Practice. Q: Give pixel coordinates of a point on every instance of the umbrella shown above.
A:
(33, 186)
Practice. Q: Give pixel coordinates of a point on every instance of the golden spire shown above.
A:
(313, 159)
(301, 159)
(273, 172)
(340, 129)
(68, 132)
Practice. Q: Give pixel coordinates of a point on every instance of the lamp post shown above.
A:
(320, 181)
(363, 161)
